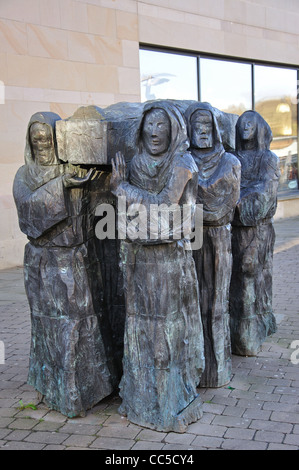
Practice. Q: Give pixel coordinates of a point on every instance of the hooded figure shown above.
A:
(163, 344)
(69, 364)
(253, 237)
(218, 192)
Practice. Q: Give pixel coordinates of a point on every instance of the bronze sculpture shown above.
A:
(163, 345)
(69, 365)
(218, 192)
(253, 236)
(176, 334)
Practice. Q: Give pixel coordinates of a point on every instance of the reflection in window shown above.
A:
(167, 76)
(226, 85)
(276, 101)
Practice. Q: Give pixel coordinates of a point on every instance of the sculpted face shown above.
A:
(202, 130)
(42, 144)
(248, 128)
(156, 132)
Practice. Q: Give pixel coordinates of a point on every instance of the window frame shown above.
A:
(253, 62)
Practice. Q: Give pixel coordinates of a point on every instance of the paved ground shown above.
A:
(259, 409)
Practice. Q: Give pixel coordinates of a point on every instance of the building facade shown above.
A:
(59, 55)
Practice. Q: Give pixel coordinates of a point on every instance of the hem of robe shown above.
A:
(177, 423)
(78, 409)
(220, 379)
(248, 335)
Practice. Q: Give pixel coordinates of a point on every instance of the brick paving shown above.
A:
(257, 410)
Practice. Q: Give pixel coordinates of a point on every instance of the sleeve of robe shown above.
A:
(221, 197)
(259, 200)
(181, 189)
(41, 209)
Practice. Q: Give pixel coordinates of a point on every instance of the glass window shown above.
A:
(226, 85)
(276, 101)
(167, 76)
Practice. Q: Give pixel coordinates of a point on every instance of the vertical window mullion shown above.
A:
(198, 79)
(252, 88)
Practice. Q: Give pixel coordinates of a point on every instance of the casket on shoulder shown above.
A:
(92, 136)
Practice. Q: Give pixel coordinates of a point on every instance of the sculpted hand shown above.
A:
(118, 171)
(75, 180)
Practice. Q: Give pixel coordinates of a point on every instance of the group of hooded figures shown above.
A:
(183, 312)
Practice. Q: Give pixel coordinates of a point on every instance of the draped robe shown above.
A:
(218, 192)
(71, 361)
(253, 238)
(163, 344)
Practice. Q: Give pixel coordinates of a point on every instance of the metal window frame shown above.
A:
(198, 55)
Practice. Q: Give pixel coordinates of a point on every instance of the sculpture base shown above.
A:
(248, 334)
(222, 378)
(178, 423)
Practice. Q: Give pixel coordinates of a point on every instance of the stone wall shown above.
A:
(61, 54)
